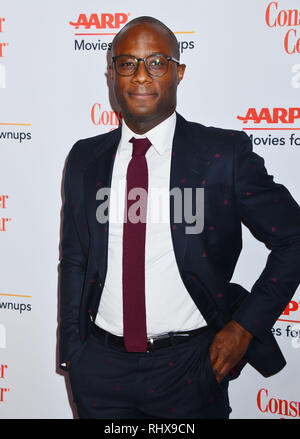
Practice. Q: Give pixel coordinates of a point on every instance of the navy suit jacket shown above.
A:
(237, 189)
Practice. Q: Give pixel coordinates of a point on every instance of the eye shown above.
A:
(157, 62)
(126, 64)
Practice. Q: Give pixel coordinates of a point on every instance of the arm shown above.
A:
(272, 215)
(72, 271)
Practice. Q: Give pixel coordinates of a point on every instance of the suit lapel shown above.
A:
(187, 153)
(98, 176)
(179, 168)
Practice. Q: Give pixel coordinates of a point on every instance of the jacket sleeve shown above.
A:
(272, 215)
(72, 267)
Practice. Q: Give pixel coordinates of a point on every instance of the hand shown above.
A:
(228, 347)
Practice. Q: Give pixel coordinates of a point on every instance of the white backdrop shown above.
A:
(239, 56)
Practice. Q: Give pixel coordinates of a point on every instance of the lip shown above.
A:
(142, 95)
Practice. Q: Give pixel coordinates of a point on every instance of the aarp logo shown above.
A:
(277, 115)
(291, 312)
(291, 308)
(100, 21)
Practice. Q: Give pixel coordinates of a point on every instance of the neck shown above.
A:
(143, 126)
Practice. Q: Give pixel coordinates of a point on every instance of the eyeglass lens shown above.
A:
(156, 65)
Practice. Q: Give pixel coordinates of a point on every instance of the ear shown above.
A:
(111, 71)
(180, 71)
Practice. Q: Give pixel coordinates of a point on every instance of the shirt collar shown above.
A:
(161, 136)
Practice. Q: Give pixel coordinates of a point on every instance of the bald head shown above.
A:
(145, 99)
(160, 27)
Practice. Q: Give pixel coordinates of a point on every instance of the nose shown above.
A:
(141, 75)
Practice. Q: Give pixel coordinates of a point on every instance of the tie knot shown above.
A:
(140, 146)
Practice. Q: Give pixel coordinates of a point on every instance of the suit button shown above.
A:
(100, 283)
(91, 318)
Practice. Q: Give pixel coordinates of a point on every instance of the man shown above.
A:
(151, 326)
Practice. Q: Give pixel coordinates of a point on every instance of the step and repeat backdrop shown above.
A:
(243, 72)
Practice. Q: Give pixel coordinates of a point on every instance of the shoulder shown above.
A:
(210, 141)
(84, 151)
(215, 134)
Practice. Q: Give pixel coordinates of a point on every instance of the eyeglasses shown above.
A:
(156, 64)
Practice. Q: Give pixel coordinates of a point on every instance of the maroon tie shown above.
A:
(134, 236)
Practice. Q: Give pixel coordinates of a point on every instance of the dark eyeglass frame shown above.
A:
(168, 58)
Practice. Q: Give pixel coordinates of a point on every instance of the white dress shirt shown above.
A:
(169, 306)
